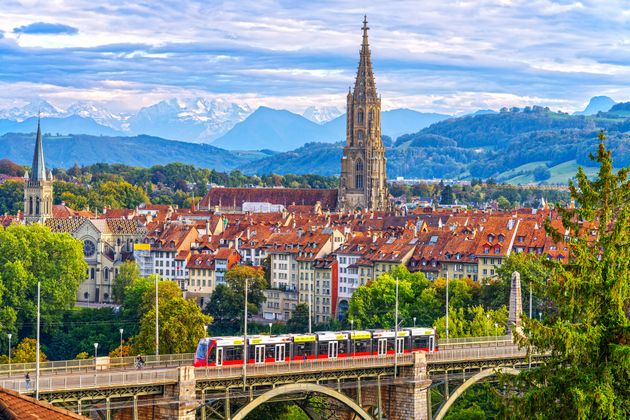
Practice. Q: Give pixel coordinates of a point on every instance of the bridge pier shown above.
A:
(411, 397)
(182, 394)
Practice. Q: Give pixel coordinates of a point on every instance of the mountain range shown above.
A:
(509, 145)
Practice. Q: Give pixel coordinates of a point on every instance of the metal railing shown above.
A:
(489, 341)
(479, 353)
(95, 380)
(64, 367)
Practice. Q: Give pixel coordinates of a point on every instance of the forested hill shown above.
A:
(519, 146)
(65, 151)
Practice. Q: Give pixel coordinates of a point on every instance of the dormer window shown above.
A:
(501, 238)
(490, 238)
(521, 238)
(486, 250)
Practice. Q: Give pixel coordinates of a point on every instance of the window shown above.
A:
(360, 117)
(358, 180)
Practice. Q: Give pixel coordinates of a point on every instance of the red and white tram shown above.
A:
(223, 351)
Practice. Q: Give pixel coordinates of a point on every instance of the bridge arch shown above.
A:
(470, 382)
(300, 387)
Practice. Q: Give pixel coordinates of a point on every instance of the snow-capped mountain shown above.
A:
(99, 114)
(189, 119)
(321, 114)
(31, 109)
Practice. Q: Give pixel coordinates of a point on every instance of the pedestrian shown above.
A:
(27, 378)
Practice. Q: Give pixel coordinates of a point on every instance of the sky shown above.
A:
(450, 56)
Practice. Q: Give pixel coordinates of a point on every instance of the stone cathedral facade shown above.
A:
(38, 187)
(363, 182)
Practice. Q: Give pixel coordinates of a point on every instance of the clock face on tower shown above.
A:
(88, 248)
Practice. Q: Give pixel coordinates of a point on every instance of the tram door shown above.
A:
(259, 354)
(333, 349)
(280, 352)
(219, 356)
(400, 345)
(382, 346)
(431, 343)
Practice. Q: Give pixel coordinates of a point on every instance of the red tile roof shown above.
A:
(13, 405)
(233, 198)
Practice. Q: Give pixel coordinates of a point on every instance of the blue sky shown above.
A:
(450, 56)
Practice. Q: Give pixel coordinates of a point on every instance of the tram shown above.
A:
(261, 349)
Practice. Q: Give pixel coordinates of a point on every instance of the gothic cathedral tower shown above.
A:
(38, 189)
(363, 183)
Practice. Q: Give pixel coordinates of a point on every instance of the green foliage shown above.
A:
(541, 173)
(226, 304)
(127, 275)
(82, 356)
(478, 402)
(180, 321)
(11, 197)
(26, 352)
(588, 335)
(473, 321)
(29, 254)
(299, 319)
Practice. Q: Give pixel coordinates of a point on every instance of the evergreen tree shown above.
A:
(587, 375)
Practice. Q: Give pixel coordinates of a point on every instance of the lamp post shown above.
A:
(540, 316)
(414, 322)
(95, 362)
(245, 338)
(310, 306)
(270, 324)
(157, 322)
(496, 333)
(121, 345)
(10, 335)
(205, 330)
(447, 307)
(37, 346)
(352, 335)
(488, 318)
(396, 334)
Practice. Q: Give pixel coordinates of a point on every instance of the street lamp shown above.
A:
(270, 324)
(396, 335)
(447, 306)
(157, 322)
(205, 330)
(121, 345)
(10, 335)
(488, 318)
(351, 335)
(245, 338)
(540, 316)
(496, 332)
(414, 322)
(95, 350)
(39, 284)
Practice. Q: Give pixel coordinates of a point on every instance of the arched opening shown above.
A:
(360, 136)
(358, 174)
(343, 310)
(37, 207)
(360, 117)
(30, 205)
(299, 388)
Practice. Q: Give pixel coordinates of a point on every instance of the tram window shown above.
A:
(201, 350)
(300, 349)
(212, 357)
(270, 351)
(343, 347)
(420, 342)
(232, 353)
(360, 346)
(323, 348)
(390, 344)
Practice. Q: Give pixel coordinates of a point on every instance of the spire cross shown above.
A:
(365, 29)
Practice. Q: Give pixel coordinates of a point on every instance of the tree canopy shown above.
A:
(588, 334)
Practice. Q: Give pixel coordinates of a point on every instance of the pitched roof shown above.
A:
(13, 405)
(235, 197)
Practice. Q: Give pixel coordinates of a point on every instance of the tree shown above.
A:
(127, 274)
(299, 320)
(541, 173)
(26, 352)
(181, 322)
(587, 374)
(29, 254)
(11, 197)
(227, 301)
(504, 203)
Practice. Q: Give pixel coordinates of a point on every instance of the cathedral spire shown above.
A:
(365, 85)
(38, 170)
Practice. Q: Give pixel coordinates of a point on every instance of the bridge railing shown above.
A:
(95, 380)
(63, 367)
(489, 341)
(478, 353)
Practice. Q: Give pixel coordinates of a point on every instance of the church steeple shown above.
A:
(365, 85)
(38, 170)
(38, 188)
(363, 182)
